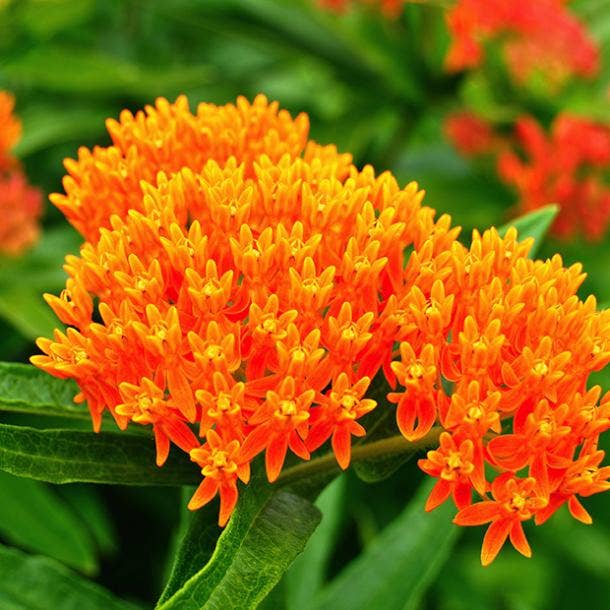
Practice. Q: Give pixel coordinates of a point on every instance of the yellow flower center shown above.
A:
(475, 413)
(213, 352)
(269, 325)
(350, 333)
(210, 288)
(518, 502)
(417, 370)
(287, 408)
(540, 368)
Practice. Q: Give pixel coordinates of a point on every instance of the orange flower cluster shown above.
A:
(540, 36)
(10, 131)
(241, 279)
(568, 166)
(20, 204)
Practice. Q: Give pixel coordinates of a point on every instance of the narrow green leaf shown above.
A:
(268, 529)
(62, 69)
(397, 567)
(26, 389)
(47, 125)
(198, 541)
(69, 456)
(34, 518)
(38, 583)
(27, 312)
(39, 270)
(307, 574)
(534, 224)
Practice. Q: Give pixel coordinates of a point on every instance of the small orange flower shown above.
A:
(515, 500)
(221, 467)
(336, 417)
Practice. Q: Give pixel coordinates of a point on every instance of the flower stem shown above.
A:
(392, 445)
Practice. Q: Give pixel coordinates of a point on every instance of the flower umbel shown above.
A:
(250, 284)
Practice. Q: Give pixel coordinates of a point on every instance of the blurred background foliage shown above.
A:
(375, 87)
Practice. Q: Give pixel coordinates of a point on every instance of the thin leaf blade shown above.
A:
(34, 518)
(266, 532)
(395, 570)
(71, 456)
(535, 224)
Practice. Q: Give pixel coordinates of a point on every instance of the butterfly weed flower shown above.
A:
(567, 166)
(241, 287)
(20, 203)
(538, 37)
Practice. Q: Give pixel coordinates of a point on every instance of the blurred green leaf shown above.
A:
(267, 530)
(308, 572)
(87, 503)
(511, 582)
(46, 125)
(44, 18)
(534, 224)
(69, 456)
(62, 69)
(395, 570)
(26, 389)
(38, 583)
(26, 311)
(39, 270)
(559, 534)
(34, 518)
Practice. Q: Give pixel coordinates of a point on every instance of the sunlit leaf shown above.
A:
(534, 224)
(267, 530)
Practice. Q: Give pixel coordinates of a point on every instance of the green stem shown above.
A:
(392, 445)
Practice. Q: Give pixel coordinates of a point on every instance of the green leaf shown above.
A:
(267, 530)
(34, 518)
(397, 567)
(27, 312)
(26, 389)
(535, 224)
(86, 501)
(47, 125)
(39, 270)
(38, 583)
(68, 456)
(62, 69)
(197, 545)
(307, 574)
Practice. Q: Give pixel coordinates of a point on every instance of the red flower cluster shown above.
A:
(540, 35)
(470, 134)
(568, 167)
(20, 204)
(241, 279)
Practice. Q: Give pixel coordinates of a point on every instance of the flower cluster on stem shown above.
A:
(241, 287)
